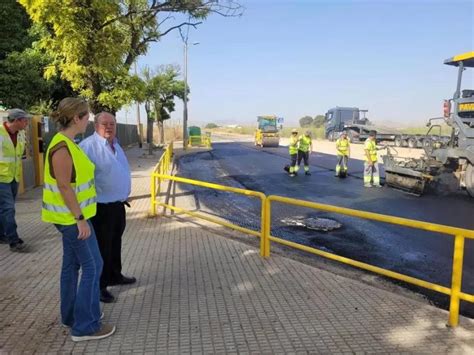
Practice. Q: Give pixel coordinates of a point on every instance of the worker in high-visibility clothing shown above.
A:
(305, 147)
(293, 150)
(12, 147)
(69, 202)
(371, 166)
(343, 151)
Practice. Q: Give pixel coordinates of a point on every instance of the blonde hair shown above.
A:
(68, 108)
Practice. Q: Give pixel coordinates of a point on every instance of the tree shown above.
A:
(319, 120)
(22, 64)
(211, 125)
(94, 43)
(306, 121)
(14, 28)
(161, 90)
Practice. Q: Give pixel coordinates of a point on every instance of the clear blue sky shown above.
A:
(302, 57)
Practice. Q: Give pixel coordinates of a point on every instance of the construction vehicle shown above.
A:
(454, 158)
(267, 132)
(349, 119)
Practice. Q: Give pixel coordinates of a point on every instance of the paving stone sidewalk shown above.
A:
(202, 293)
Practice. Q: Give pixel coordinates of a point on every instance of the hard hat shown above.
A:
(294, 130)
(343, 133)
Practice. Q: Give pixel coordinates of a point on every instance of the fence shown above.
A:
(454, 292)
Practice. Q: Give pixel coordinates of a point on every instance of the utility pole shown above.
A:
(185, 103)
(139, 126)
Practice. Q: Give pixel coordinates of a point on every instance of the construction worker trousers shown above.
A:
(341, 164)
(293, 158)
(371, 174)
(305, 157)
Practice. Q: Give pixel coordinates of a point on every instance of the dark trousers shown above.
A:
(109, 224)
(303, 156)
(8, 192)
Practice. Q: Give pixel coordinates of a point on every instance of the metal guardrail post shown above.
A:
(266, 217)
(153, 194)
(456, 280)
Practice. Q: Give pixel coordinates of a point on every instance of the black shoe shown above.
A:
(3, 240)
(106, 296)
(123, 281)
(307, 173)
(18, 247)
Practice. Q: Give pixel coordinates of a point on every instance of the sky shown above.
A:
(302, 57)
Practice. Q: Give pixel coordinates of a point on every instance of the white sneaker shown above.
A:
(105, 331)
(367, 185)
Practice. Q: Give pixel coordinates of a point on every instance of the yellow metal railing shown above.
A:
(244, 192)
(162, 167)
(455, 293)
(459, 235)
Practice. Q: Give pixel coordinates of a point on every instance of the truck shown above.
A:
(267, 133)
(354, 121)
(451, 160)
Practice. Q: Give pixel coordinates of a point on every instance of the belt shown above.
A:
(115, 203)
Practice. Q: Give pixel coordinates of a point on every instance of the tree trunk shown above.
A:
(149, 128)
(162, 132)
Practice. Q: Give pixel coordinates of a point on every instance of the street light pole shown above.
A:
(185, 103)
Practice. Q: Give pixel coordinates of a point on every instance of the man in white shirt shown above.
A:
(113, 184)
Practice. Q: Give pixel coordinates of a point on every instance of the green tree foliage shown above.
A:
(211, 125)
(94, 42)
(319, 121)
(21, 83)
(160, 91)
(13, 28)
(306, 121)
(22, 64)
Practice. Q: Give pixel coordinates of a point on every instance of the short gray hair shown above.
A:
(100, 114)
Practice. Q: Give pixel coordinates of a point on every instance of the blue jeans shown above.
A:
(8, 191)
(80, 305)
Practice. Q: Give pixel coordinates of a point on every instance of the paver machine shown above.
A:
(267, 132)
(453, 158)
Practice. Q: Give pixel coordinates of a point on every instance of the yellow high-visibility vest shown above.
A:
(305, 143)
(54, 208)
(371, 146)
(342, 147)
(293, 147)
(10, 156)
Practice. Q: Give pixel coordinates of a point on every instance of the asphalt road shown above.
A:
(420, 254)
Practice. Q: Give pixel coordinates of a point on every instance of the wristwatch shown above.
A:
(79, 218)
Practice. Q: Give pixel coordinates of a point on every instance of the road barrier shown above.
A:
(459, 234)
(244, 192)
(162, 167)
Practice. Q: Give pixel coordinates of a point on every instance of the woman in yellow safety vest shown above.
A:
(343, 149)
(305, 147)
(69, 201)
